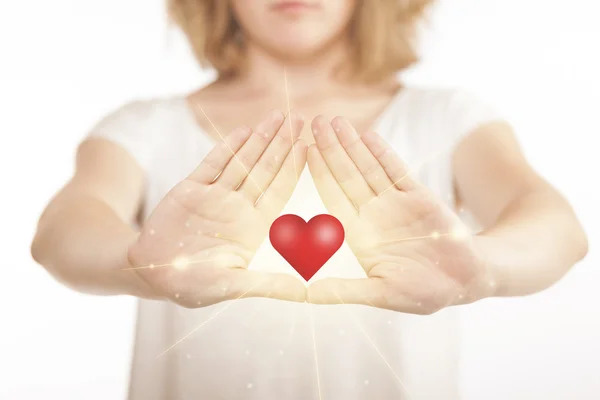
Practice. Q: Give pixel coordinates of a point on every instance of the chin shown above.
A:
(299, 49)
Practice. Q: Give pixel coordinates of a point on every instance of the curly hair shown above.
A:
(383, 34)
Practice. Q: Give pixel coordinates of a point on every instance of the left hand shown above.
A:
(417, 254)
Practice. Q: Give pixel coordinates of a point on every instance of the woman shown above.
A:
(206, 200)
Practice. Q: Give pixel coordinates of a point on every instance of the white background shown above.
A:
(65, 63)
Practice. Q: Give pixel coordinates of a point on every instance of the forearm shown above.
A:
(83, 244)
(533, 244)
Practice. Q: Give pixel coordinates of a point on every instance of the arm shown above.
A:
(531, 236)
(83, 235)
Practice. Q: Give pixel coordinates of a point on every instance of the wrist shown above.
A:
(498, 257)
(131, 282)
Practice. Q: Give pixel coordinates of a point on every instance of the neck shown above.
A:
(270, 73)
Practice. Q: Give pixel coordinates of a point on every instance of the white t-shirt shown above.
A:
(270, 350)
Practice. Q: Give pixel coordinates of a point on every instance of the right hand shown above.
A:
(195, 247)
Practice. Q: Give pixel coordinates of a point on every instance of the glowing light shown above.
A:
(460, 232)
(151, 231)
(181, 263)
(435, 235)
(249, 386)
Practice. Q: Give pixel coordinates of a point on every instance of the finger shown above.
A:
(340, 164)
(329, 190)
(214, 162)
(365, 161)
(273, 157)
(278, 193)
(394, 167)
(239, 167)
(372, 292)
(246, 283)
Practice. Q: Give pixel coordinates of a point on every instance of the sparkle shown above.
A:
(492, 284)
(181, 263)
(188, 224)
(151, 231)
(461, 296)
(217, 234)
(249, 386)
(151, 266)
(460, 232)
(419, 304)
(180, 244)
(435, 235)
(176, 295)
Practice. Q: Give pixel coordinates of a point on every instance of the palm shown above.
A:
(196, 245)
(415, 250)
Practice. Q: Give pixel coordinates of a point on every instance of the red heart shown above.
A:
(306, 246)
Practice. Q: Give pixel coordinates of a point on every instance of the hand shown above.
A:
(418, 256)
(195, 247)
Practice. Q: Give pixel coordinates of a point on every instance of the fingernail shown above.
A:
(337, 123)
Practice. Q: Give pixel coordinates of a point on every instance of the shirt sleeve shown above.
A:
(466, 113)
(130, 127)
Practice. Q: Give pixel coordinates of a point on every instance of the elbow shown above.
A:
(582, 244)
(37, 249)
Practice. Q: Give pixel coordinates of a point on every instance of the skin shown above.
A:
(217, 220)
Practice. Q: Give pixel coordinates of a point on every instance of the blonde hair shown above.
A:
(383, 33)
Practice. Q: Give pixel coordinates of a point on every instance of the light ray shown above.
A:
(232, 152)
(421, 165)
(409, 396)
(312, 325)
(254, 312)
(433, 236)
(174, 265)
(207, 321)
(287, 96)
